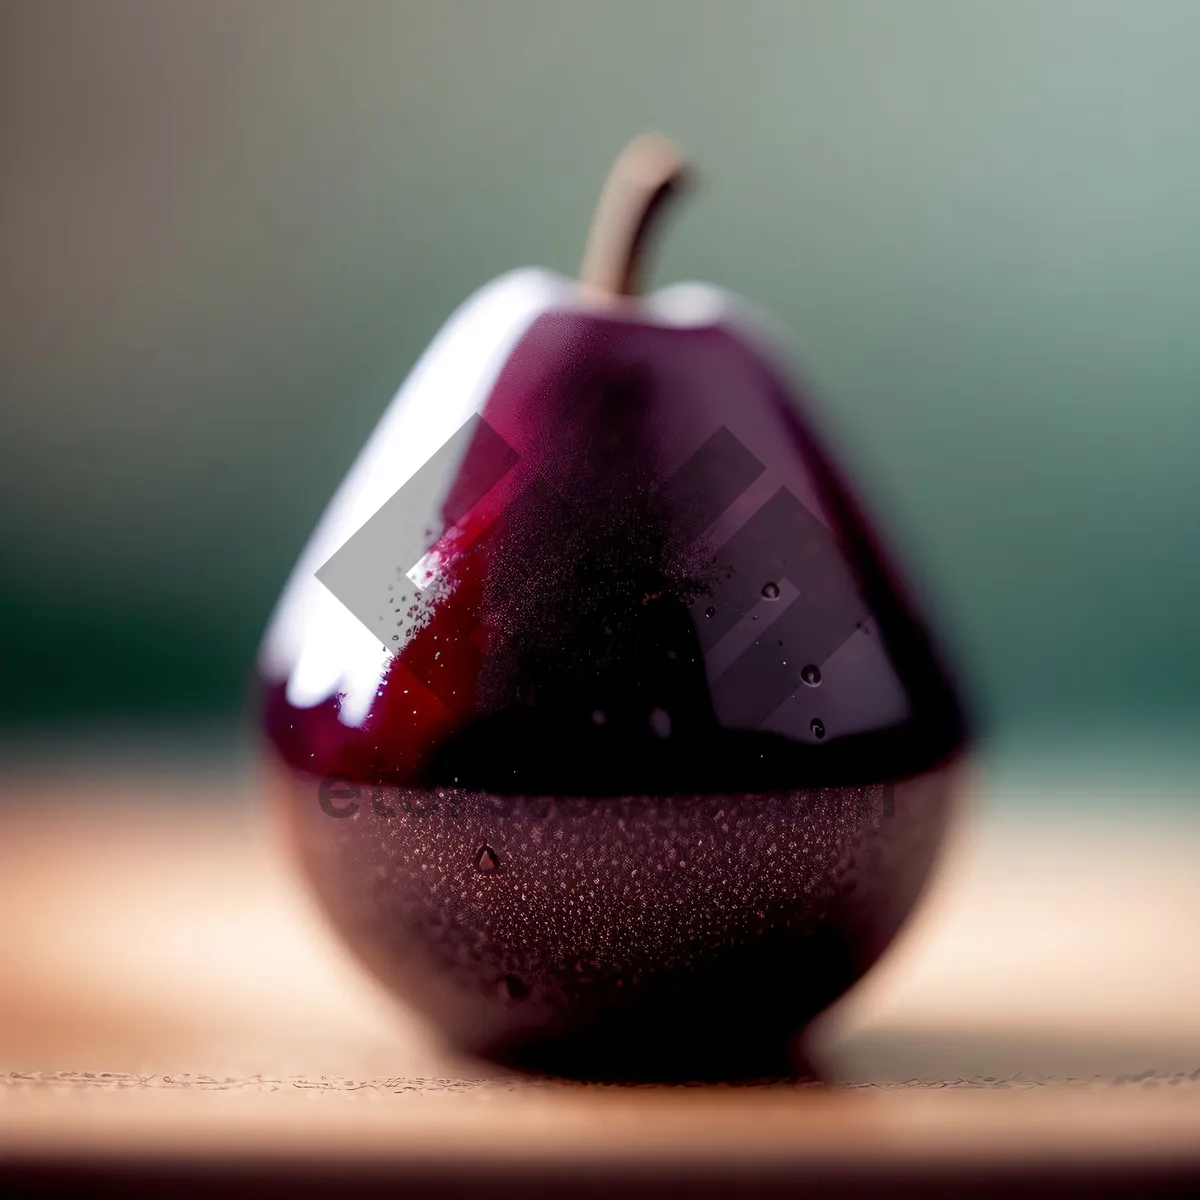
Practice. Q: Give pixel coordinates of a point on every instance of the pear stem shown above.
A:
(646, 173)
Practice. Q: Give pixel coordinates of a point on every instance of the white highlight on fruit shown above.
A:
(313, 640)
(688, 305)
(426, 569)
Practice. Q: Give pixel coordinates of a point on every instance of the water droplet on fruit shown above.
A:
(818, 727)
(660, 722)
(770, 590)
(487, 860)
(710, 612)
(811, 674)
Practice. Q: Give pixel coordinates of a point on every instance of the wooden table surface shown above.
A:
(174, 1012)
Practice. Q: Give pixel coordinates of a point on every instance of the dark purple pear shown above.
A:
(609, 735)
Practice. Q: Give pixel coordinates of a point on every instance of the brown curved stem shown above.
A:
(646, 173)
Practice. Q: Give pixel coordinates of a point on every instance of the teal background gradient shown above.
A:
(227, 230)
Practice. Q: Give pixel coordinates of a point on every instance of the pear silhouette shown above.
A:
(596, 598)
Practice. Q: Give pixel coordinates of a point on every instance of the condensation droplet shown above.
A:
(818, 727)
(710, 612)
(770, 590)
(487, 860)
(811, 674)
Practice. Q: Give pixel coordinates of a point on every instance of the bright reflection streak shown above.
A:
(314, 640)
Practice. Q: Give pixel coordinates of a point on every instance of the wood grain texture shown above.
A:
(170, 995)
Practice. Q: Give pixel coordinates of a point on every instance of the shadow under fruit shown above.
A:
(608, 734)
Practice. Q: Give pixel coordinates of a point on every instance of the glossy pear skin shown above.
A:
(657, 754)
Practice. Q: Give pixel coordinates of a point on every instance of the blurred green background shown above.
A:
(227, 229)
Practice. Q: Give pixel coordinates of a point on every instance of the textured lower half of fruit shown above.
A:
(686, 936)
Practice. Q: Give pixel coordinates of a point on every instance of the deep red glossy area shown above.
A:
(631, 495)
